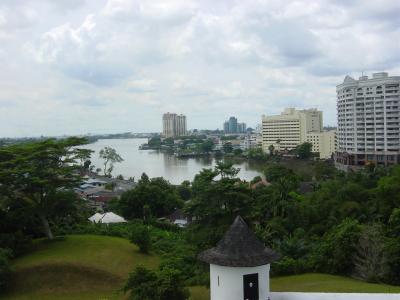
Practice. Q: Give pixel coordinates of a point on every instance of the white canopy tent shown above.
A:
(95, 218)
(106, 218)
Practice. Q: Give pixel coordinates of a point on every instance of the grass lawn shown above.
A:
(328, 283)
(78, 267)
(313, 283)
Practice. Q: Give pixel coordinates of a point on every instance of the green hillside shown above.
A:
(79, 267)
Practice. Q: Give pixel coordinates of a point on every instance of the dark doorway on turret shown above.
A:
(250, 286)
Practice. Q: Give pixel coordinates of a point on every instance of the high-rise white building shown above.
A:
(368, 120)
(294, 127)
(174, 125)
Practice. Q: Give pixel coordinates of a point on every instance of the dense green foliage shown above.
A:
(5, 268)
(257, 154)
(154, 197)
(345, 224)
(140, 236)
(227, 147)
(35, 179)
(303, 151)
(165, 284)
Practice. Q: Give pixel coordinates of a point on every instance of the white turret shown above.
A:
(239, 265)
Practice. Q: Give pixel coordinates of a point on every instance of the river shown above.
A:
(158, 164)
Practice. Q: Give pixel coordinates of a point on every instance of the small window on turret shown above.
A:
(218, 280)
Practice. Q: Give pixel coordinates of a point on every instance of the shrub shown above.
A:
(5, 269)
(141, 284)
(336, 249)
(140, 236)
(166, 284)
(17, 242)
(289, 266)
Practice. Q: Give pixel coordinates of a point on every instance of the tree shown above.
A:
(338, 248)
(140, 236)
(238, 152)
(324, 170)
(216, 202)
(110, 157)
(164, 284)
(184, 190)
(303, 151)
(160, 197)
(271, 149)
(169, 141)
(33, 174)
(142, 284)
(207, 146)
(226, 169)
(281, 193)
(155, 142)
(227, 147)
(276, 171)
(369, 259)
(257, 154)
(171, 285)
(83, 155)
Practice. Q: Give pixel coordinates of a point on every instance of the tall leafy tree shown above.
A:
(110, 157)
(217, 197)
(34, 173)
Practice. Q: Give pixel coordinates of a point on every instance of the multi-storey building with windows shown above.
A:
(174, 125)
(368, 120)
(289, 129)
(294, 127)
(324, 143)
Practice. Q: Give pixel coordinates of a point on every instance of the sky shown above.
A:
(107, 66)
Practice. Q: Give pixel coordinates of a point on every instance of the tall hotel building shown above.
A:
(368, 120)
(174, 125)
(294, 127)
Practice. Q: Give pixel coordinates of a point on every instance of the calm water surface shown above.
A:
(157, 164)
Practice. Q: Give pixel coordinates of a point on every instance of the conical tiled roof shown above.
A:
(239, 248)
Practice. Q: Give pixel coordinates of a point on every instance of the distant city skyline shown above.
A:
(106, 66)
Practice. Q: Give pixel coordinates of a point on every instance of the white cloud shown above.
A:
(117, 65)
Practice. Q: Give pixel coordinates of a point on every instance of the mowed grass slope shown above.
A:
(77, 267)
(328, 283)
(314, 283)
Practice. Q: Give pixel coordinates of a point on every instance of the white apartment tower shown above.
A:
(174, 125)
(368, 120)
